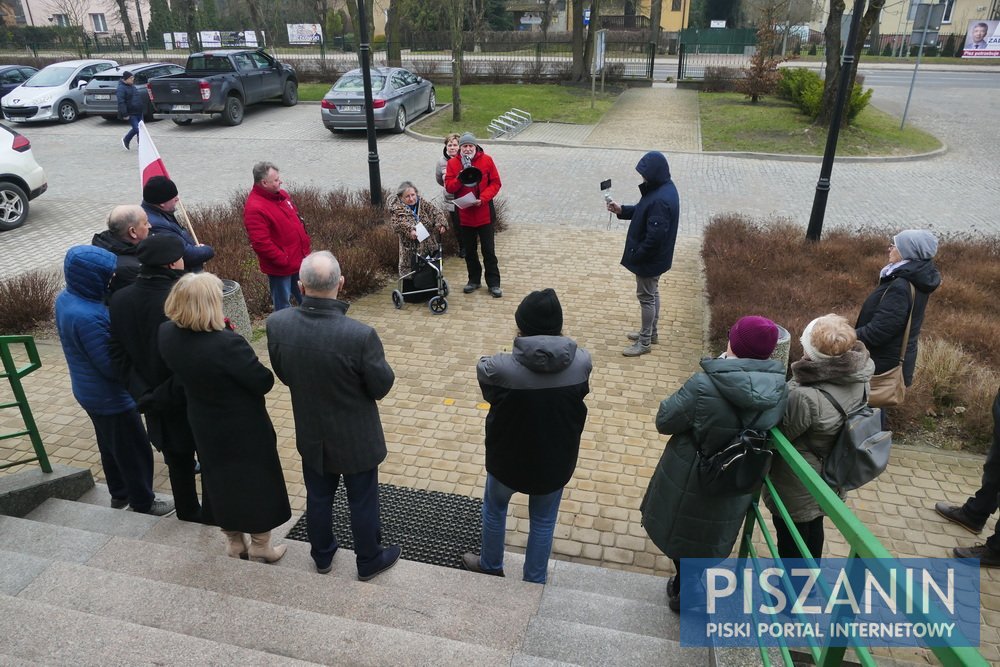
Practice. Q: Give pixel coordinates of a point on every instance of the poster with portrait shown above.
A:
(210, 39)
(982, 40)
(304, 33)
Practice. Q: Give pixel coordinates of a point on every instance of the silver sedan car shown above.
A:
(398, 96)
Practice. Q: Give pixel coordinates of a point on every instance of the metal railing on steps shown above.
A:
(13, 374)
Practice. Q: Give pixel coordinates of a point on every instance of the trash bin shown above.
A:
(784, 346)
(234, 306)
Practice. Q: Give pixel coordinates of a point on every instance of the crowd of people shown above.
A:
(160, 346)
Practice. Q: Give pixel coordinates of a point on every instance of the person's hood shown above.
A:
(544, 354)
(852, 367)
(88, 270)
(921, 273)
(752, 384)
(654, 168)
(112, 243)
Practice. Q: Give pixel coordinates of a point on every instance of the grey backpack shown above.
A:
(861, 451)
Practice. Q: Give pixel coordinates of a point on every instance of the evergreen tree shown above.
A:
(208, 16)
(160, 21)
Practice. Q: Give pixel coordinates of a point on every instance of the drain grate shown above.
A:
(432, 527)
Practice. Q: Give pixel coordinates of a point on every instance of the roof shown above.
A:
(135, 67)
(81, 63)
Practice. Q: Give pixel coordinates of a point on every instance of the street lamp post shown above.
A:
(142, 28)
(364, 50)
(815, 229)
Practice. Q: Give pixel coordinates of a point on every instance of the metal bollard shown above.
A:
(234, 306)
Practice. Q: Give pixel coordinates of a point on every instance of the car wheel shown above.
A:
(400, 125)
(290, 97)
(432, 102)
(336, 130)
(13, 206)
(110, 118)
(233, 113)
(182, 121)
(67, 112)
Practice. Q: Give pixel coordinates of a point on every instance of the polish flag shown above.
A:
(150, 162)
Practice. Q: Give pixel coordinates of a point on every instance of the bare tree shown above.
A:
(120, 8)
(833, 49)
(579, 70)
(456, 21)
(75, 11)
(394, 54)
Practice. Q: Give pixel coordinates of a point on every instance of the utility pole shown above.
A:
(364, 50)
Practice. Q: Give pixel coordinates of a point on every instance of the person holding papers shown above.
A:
(419, 225)
(473, 178)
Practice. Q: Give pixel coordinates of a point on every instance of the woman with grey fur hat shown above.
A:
(882, 321)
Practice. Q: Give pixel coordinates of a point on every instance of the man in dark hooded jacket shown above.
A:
(649, 243)
(537, 414)
(136, 316)
(127, 227)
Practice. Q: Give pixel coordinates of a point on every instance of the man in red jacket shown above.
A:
(478, 219)
(276, 234)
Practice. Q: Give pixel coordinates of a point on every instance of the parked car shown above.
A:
(21, 179)
(223, 82)
(54, 93)
(99, 97)
(398, 96)
(12, 76)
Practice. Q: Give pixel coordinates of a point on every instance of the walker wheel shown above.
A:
(444, 288)
(438, 305)
(397, 299)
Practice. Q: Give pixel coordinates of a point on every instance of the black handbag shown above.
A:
(738, 468)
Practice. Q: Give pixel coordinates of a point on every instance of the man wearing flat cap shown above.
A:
(472, 172)
(159, 200)
(136, 314)
(537, 414)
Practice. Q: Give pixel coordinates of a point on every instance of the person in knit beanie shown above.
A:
(752, 337)
(159, 200)
(537, 414)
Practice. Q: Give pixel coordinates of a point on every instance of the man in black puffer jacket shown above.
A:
(533, 431)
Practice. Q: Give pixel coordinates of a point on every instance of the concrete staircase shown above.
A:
(84, 584)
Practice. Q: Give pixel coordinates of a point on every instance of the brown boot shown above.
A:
(236, 546)
(261, 549)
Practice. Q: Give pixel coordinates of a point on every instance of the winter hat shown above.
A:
(467, 138)
(916, 244)
(753, 337)
(827, 337)
(160, 250)
(126, 75)
(540, 314)
(159, 189)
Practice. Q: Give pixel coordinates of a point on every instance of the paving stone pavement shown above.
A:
(560, 237)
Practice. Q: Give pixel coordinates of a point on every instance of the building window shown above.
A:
(676, 5)
(61, 20)
(100, 25)
(949, 9)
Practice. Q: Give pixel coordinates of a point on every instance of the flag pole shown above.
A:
(151, 164)
(187, 221)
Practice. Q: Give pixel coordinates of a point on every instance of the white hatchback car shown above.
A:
(54, 93)
(21, 179)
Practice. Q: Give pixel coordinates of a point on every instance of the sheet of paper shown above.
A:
(422, 232)
(465, 201)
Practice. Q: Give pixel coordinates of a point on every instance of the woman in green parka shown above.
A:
(741, 389)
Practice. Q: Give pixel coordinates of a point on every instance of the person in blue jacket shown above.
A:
(85, 333)
(130, 106)
(159, 201)
(649, 243)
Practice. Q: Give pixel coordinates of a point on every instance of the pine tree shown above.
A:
(160, 21)
(208, 16)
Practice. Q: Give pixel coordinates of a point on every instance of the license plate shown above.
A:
(182, 107)
(102, 97)
(349, 108)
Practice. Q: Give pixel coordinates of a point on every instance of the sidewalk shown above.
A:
(434, 416)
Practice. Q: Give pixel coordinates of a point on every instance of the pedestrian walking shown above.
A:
(131, 106)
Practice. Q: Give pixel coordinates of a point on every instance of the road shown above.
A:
(89, 172)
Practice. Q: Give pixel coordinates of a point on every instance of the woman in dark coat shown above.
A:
(836, 362)
(881, 324)
(742, 388)
(225, 385)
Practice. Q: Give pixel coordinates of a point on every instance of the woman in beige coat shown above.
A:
(835, 361)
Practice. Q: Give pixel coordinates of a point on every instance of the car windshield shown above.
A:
(354, 83)
(50, 76)
(209, 64)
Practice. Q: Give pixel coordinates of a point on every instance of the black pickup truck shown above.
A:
(222, 82)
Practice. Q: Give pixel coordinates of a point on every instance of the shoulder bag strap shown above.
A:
(909, 321)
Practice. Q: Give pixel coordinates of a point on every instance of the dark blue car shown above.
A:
(12, 76)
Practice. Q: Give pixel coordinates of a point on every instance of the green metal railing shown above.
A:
(862, 543)
(13, 374)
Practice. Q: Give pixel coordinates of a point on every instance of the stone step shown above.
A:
(35, 538)
(94, 518)
(582, 644)
(493, 625)
(612, 613)
(612, 583)
(36, 632)
(18, 570)
(246, 623)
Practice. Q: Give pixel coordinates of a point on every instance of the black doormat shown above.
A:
(432, 527)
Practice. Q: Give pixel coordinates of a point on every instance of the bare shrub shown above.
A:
(501, 71)
(424, 68)
(768, 268)
(535, 72)
(720, 79)
(27, 300)
(563, 71)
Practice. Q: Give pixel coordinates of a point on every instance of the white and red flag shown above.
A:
(150, 162)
